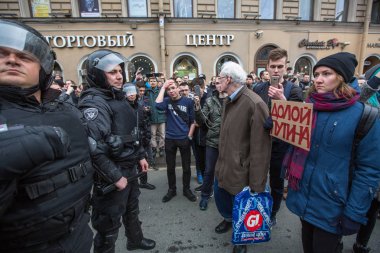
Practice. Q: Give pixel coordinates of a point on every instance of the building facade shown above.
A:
(190, 37)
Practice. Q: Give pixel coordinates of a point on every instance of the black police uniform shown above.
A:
(46, 203)
(108, 113)
(144, 131)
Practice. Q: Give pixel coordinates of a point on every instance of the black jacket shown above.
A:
(107, 113)
(40, 198)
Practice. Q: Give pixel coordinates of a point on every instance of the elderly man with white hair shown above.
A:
(244, 145)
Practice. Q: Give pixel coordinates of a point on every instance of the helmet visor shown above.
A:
(109, 62)
(17, 38)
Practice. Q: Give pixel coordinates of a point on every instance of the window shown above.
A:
(186, 66)
(267, 9)
(306, 9)
(303, 65)
(222, 60)
(375, 15)
(89, 8)
(341, 10)
(183, 8)
(226, 8)
(262, 58)
(137, 8)
(40, 8)
(143, 62)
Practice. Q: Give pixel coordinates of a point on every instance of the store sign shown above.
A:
(197, 40)
(91, 41)
(40, 8)
(89, 8)
(330, 44)
(373, 45)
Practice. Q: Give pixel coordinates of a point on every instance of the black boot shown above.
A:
(358, 248)
(145, 244)
(240, 249)
(147, 186)
(105, 242)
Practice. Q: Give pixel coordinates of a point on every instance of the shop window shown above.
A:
(341, 10)
(370, 61)
(40, 8)
(222, 60)
(186, 66)
(226, 8)
(303, 66)
(262, 58)
(183, 8)
(267, 9)
(137, 8)
(141, 62)
(375, 14)
(89, 8)
(57, 71)
(306, 9)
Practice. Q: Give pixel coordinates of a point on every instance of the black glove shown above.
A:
(115, 144)
(268, 124)
(348, 226)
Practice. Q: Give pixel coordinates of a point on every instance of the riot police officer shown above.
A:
(109, 116)
(44, 203)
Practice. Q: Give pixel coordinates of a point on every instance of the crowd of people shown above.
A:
(65, 147)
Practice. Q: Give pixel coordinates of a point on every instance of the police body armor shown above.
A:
(125, 125)
(50, 197)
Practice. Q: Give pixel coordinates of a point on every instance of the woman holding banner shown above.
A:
(329, 199)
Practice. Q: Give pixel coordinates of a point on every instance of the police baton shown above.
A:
(112, 187)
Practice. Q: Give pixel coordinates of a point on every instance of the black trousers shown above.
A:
(276, 177)
(365, 231)
(316, 240)
(106, 214)
(171, 147)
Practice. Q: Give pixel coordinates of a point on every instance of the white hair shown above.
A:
(235, 71)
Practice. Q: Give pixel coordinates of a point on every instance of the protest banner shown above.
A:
(292, 122)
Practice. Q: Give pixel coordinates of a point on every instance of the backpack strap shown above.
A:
(367, 120)
(180, 113)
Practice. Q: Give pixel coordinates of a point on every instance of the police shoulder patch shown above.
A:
(90, 113)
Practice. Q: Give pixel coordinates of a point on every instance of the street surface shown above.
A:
(179, 225)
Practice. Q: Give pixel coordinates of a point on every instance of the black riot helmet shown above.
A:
(101, 61)
(20, 37)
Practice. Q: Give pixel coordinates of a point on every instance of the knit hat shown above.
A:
(343, 63)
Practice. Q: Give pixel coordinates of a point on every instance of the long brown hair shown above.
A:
(343, 90)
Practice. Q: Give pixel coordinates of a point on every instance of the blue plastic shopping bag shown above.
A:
(251, 217)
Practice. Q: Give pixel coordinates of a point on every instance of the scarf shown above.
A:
(295, 158)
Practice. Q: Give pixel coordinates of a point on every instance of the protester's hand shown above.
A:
(277, 93)
(167, 83)
(69, 90)
(144, 165)
(121, 184)
(197, 103)
(348, 226)
(115, 145)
